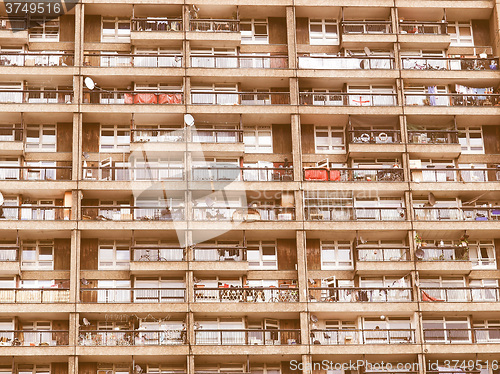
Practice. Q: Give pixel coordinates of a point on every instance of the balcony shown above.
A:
(246, 174)
(149, 31)
(450, 63)
(244, 214)
(239, 62)
(462, 336)
(354, 174)
(457, 214)
(36, 213)
(157, 135)
(345, 63)
(239, 98)
(348, 99)
(364, 336)
(49, 96)
(35, 173)
(378, 254)
(451, 174)
(34, 296)
(358, 33)
(157, 254)
(444, 253)
(137, 60)
(134, 97)
(131, 338)
(132, 295)
(51, 59)
(127, 173)
(30, 338)
(320, 213)
(414, 34)
(11, 140)
(246, 294)
(220, 253)
(267, 337)
(214, 25)
(452, 99)
(132, 213)
(14, 30)
(460, 294)
(442, 142)
(364, 294)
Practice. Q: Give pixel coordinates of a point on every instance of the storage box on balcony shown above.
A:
(316, 174)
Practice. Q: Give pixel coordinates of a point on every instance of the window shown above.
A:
(158, 289)
(419, 58)
(336, 255)
(114, 255)
(424, 95)
(323, 32)
(371, 95)
(37, 255)
(111, 59)
(115, 138)
(460, 33)
(392, 329)
(471, 139)
(113, 291)
(487, 331)
(482, 254)
(33, 369)
(8, 92)
(484, 290)
(381, 208)
(258, 139)
(214, 58)
(446, 330)
(114, 368)
(329, 139)
(215, 94)
(41, 138)
(443, 288)
(159, 169)
(157, 57)
(115, 30)
(254, 31)
(33, 335)
(262, 255)
(213, 133)
(9, 168)
(43, 29)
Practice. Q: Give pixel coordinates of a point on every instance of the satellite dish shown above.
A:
(314, 319)
(419, 253)
(86, 322)
(367, 51)
(312, 281)
(432, 199)
(84, 281)
(138, 369)
(195, 8)
(188, 120)
(89, 83)
(86, 155)
(196, 280)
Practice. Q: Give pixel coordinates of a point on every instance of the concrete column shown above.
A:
(304, 328)
(77, 150)
(74, 276)
(301, 265)
(296, 147)
(190, 364)
(73, 365)
(73, 328)
(190, 328)
(307, 364)
(187, 90)
(291, 34)
(294, 91)
(79, 32)
(186, 61)
(189, 287)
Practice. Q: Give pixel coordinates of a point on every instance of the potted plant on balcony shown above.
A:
(418, 240)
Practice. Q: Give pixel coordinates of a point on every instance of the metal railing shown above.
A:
(360, 294)
(214, 25)
(354, 174)
(444, 253)
(157, 24)
(11, 133)
(366, 27)
(362, 336)
(132, 213)
(246, 294)
(9, 253)
(156, 254)
(13, 23)
(452, 99)
(35, 338)
(127, 173)
(247, 337)
(131, 337)
(36, 96)
(134, 97)
(345, 62)
(216, 135)
(219, 253)
(144, 60)
(239, 62)
(348, 99)
(157, 135)
(376, 254)
(368, 136)
(464, 336)
(36, 59)
(36, 212)
(239, 98)
(459, 294)
(135, 295)
(457, 214)
(247, 174)
(433, 136)
(239, 214)
(451, 174)
(330, 213)
(34, 295)
(35, 173)
(430, 28)
(449, 63)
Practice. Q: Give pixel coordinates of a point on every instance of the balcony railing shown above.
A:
(433, 136)
(34, 296)
(36, 59)
(345, 62)
(9, 253)
(247, 174)
(156, 254)
(366, 27)
(246, 294)
(464, 336)
(135, 97)
(35, 173)
(217, 135)
(239, 62)
(430, 28)
(135, 295)
(11, 133)
(377, 254)
(13, 23)
(445, 253)
(354, 174)
(157, 135)
(139, 60)
(457, 214)
(36, 96)
(126, 173)
(380, 136)
(247, 337)
(132, 337)
(157, 24)
(239, 98)
(330, 213)
(364, 294)
(36, 213)
(31, 338)
(451, 174)
(452, 99)
(220, 253)
(244, 214)
(459, 294)
(449, 63)
(214, 25)
(132, 213)
(348, 99)
(365, 336)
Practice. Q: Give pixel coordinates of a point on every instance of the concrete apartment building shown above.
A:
(337, 197)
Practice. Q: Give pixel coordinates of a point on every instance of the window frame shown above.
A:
(332, 148)
(265, 261)
(41, 145)
(116, 38)
(37, 262)
(258, 132)
(250, 36)
(323, 37)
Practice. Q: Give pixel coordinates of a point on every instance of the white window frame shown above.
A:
(222, 94)
(323, 37)
(116, 37)
(173, 58)
(45, 141)
(117, 291)
(39, 33)
(117, 250)
(166, 289)
(331, 147)
(250, 36)
(260, 133)
(330, 255)
(446, 323)
(33, 369)
(214, 58)
(262, 261)
(465, 141)
(38, 262)
(121, 142)
(456, 38)
(476, 257)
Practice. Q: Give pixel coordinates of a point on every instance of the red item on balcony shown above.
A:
(335, 175)
(320, 174)
(129, 98)
(145, 98)
(170, 99)
(427, 297)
